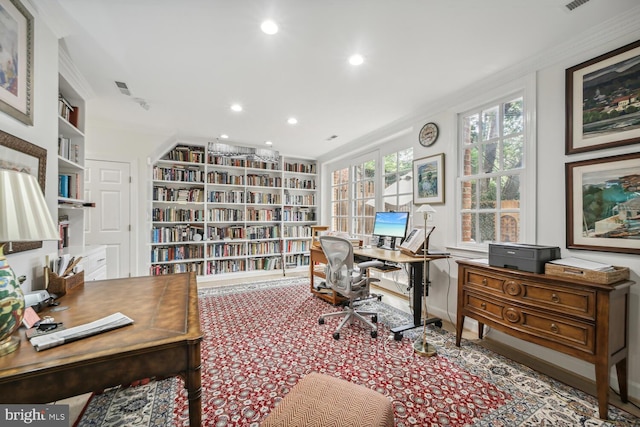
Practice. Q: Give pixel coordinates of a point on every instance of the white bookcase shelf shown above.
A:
(219, 215)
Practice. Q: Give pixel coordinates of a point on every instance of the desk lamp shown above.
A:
(420, 346)
(24, 217)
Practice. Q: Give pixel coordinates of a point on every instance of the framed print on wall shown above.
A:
(603, 204)
(428, 182)
(603, 101)
(16, 61)
(20, 155)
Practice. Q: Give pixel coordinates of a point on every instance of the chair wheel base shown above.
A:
(321, 321)
(374, 334)
(374, 319)
(336, 336)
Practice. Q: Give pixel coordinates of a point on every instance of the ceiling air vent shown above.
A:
(575, 4)
(123, 88)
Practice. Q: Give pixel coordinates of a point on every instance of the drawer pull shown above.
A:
(555, 298)
(554, 328)
(102, 259)
(484, 281)
(483, 305)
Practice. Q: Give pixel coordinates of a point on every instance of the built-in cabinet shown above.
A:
(216, 215)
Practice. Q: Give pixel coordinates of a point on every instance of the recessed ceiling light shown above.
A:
(236, 107)
(356, 59)
(268, 142)
(292, 121)
(269, 27)
(224, 136)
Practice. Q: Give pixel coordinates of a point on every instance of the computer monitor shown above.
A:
(390, 224)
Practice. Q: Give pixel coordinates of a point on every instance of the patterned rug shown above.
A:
(261, 339)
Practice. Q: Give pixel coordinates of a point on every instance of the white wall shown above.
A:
(549, 72)
(44, 134)
(106, 141)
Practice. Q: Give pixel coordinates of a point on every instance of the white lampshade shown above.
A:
(425, 208)
(24, 215)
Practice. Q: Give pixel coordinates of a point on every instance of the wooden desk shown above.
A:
(163, 341)
(317, 258)
(585, 320)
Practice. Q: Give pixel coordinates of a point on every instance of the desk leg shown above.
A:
(416, 279)
(193, 384)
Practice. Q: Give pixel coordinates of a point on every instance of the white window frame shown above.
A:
(527, 88)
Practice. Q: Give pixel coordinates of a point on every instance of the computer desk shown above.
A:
(416, 272)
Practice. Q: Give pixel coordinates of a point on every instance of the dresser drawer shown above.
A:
(560, 299)
(99, 274)
(567, 332)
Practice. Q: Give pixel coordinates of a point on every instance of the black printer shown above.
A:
(520, 256)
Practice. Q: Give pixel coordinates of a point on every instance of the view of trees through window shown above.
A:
(353, 191)
(492, 145)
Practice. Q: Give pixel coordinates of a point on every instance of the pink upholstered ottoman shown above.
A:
(321, 400)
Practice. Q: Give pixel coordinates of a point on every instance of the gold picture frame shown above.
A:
(16, 61)
(18, 154)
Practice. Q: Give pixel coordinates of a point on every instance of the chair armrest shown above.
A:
(369, 264)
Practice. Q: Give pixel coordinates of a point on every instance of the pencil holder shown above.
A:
(61, 285)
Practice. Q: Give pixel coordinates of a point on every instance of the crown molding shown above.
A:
(67, 68)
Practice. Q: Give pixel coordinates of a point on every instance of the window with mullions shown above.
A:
(398, 183)
(363, 199)
(492, 147)
(340, 200)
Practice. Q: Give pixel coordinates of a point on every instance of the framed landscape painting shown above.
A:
(428, 183)
(603, 101)
(16, 61)
(603, 204)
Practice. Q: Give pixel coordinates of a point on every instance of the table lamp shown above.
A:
(420, 346)
(24, 217)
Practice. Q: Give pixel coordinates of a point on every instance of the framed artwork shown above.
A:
(16, 61)
(428, 183)
(20, 155)
(603, 101)
(603, 204)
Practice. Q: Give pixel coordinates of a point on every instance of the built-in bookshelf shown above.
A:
(71, 152)
(219, 215)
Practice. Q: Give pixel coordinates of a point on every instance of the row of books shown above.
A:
(67, 111)
(63, 229)
(160, 269)
(68, 150)
(302, 184)
(173, 215)
(69, 186)
(165, 194)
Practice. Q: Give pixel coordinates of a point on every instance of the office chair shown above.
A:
(349, 280)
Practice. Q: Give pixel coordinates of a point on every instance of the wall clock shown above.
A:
(428, 134)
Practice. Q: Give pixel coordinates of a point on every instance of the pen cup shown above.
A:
(61, 285)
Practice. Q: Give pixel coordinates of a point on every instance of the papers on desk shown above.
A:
(583, 264)
(65, 336)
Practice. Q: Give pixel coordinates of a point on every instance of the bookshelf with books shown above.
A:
(71, 153)
(256, 214)
(178, 215)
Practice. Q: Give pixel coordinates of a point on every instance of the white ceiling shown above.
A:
(191, 59)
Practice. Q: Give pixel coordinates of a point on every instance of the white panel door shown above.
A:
(108, 184)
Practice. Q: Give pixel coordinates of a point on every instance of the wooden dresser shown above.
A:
(585, 320)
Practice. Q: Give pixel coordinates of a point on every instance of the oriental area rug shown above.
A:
(261, 339)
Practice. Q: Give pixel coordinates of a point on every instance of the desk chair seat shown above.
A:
(349, 280)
